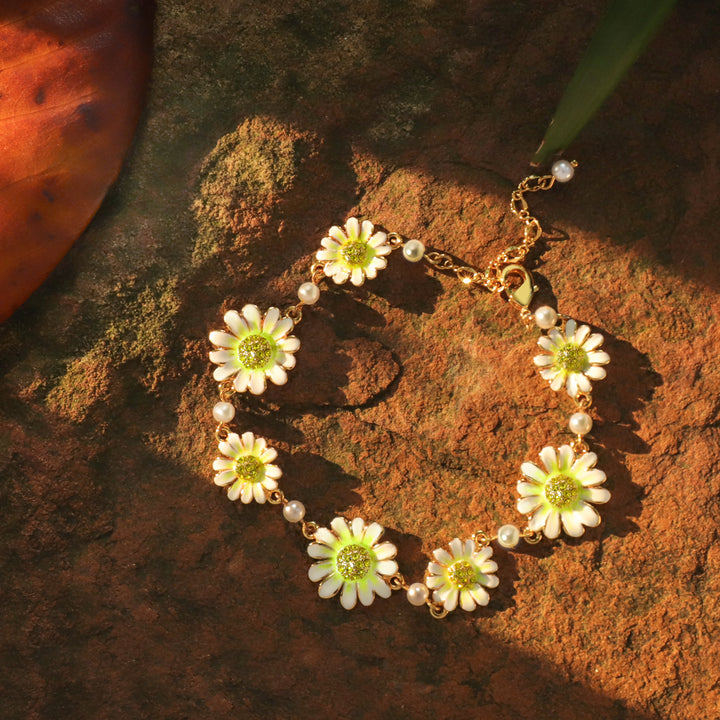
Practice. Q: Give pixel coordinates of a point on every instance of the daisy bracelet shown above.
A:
(350, 559)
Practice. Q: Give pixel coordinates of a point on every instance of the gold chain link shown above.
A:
(492, 278)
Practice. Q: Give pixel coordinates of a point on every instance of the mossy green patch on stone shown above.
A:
(85, 382)
(243, 177)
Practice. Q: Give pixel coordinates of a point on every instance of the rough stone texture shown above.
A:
(131, 587)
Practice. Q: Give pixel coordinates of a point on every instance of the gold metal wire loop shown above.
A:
(275, 497)
(583, 401)
(221, 432)
(397, 582)
(437, 610)
(309, 529)
(226, 389)
(317, 272)
(579, 445)
(395, 240)
(532, 537)
(481, 538)
(294, 312)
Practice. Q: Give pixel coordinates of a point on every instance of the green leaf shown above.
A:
(625, 31)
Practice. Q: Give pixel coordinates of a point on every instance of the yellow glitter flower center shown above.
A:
(571, 358)
(254, 352)
(462, 574)
(353, 562)
(562, 490)
(355, 253)
(247, 468)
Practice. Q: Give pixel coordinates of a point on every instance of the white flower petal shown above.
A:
(583, 383)
(550, 373)
(552, 524)
(365, 230)
(370, 272)
(526, 489)
(323, 255)
(451, 601)
(348, 599)
(341, 528)
(267, 455)
(365, 593)
(549, 458)
(456, 547)
(222, 339)
(543, 360)
(532, 471)
(557, 382)
(251, 313)
(594, 341)
(257, 382)
(599, 357)
(570, 326)
(329, 587)
(596, 372)
(341, 276)
(331, 243)
(246, 495)
(443, 556)
(581, 334)
(282, 328)
(318, 571)
(378, 239)
(435, 568)
(222, 356)
(271, 318)
(538, 518)
(227, 449)
(352, 227)
(268, 484)
(323, 535)
(588, 515)
(358, 528)
(566, 457)
(224, 478)
(466, 600)
(242, 381)
(385, 551)
(386, 567)
(372, 534)
(435, 581)
(480, 595)
(487, 570)
(572, 384)
(469, 548)
(234, 491)
(357, 277)
(223, 464)
(273, 472)
(259, 493)
(584, 462)
(482, 555)
(381, 250)
(546, 343)
(246, 442)
(338, 234)
(526, 505)
(236, 323)
(320, 552)
(571, 524)
(277, 374)
(289, 344)
(592, 477)
(380, 587)
(223, 372)
(557, 338)
(598, 495)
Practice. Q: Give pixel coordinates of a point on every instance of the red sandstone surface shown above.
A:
(132, 588)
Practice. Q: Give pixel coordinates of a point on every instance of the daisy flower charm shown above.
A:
(246, 467)
(573, 358)
(462, 574)
(356, 253)
(560, 493)
(352, 562)
(256, 348)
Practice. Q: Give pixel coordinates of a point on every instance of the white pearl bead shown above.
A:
(294, 511)
(508, 536)
(309, 293)
(413, 250)
(223, 412)
(580, 423)
(417, 594)
(545, 317)
(562, 170)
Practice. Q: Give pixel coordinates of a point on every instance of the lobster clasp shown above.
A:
(518, 284)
